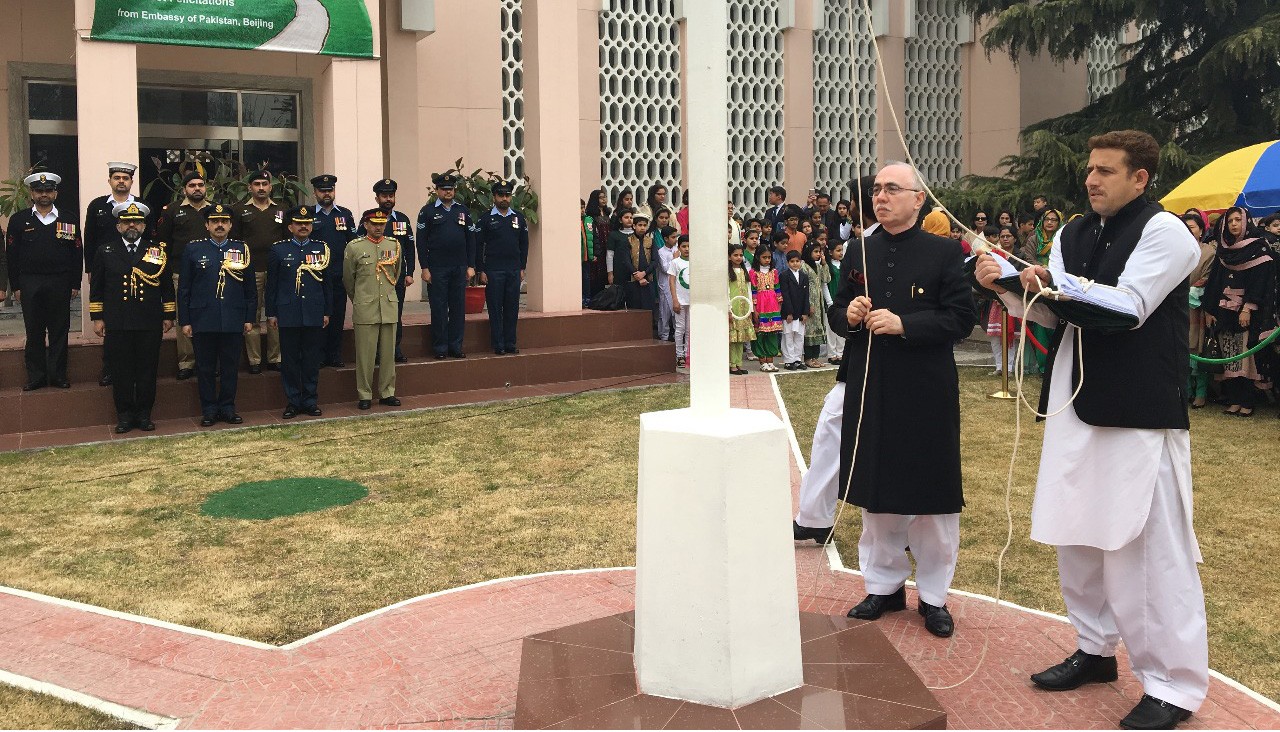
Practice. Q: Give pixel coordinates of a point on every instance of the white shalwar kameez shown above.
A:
(1116, 502)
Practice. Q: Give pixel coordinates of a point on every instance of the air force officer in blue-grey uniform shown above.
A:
(447, 251)
(336, 226)
(217, 305)
(503, 250)
(299, 294)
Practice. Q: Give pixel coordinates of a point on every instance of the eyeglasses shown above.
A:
(891, 189)
(979, 218)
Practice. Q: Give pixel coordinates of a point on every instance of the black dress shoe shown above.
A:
(207, 421)
(314, 411)
(255, 368)
(232, 418)
(513, 351)
(1080, 669)
(105, 380)
(804, 533)
(146, 425)
(272, 366)
(364, 404)
(937, 620)
(389, 401)
(873, 606)
(62, 384)
(500, 351)
(401, 358)
(184, 374)
(123, 426)
(290, 412)
(457, 354)
(1151, 713)
(439, 356)
(33, 385)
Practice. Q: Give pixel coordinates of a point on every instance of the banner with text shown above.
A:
(330, 27)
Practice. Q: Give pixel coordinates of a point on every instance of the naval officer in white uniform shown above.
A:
(1114, 490)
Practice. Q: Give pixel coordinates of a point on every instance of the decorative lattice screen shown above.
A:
(844, 99)
(1101, 62)
(933, 91)
(512, 89)
(755, 101)
(640, 97)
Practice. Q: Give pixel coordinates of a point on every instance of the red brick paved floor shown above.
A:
(452, 660)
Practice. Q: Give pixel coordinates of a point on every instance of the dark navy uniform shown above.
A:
(131, 292)
(46, 263)
(99, 228)
(446, 248)
(217, 296)
(299, 296)
(336, 228)
(503, 246)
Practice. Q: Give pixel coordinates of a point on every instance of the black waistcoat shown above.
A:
(1132, 378)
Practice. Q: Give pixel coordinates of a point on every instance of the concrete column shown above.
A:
(351, 120)
(797, 143)
(400, 100)
(589, 94)
(893, 52)
(106, 104)
(553, 157)
(717, 617)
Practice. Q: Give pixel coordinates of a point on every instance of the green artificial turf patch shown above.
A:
(286, 497)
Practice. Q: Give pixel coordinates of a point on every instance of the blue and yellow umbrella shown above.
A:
(1249, 177)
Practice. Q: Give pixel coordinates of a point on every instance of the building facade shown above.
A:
(575, 94)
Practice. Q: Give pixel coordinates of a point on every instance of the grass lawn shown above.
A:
(22, 709)
(1236, 469)
(456, 496)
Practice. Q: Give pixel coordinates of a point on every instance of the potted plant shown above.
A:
(475, 190)
(224, 180)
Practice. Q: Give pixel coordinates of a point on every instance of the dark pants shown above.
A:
(218, 352)
(400, 321)
(133, 357)
(46, 312)
(1240, 390)
(333, 331)
(301, 350)
(447, 293)
(502, 295)
(586, 282)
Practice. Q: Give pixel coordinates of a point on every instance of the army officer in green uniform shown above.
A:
(371, 271)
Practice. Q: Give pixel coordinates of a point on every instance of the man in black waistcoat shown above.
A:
(1114, 490)
(913, 302)
(336, 227)
(45, 265)
(100, 226)
(503, 246)
(447, 252)
(400, 227)
(131, 302)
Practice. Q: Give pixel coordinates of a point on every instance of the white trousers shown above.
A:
(882, 555)
(682, 331)
(821, 484)
(1148, 594)
(835, 343)
(664, 310)
(793, 341)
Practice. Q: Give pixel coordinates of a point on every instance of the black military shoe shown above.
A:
(457, 354)
(1080, 669)
(804, 533)
(290, 412)
(439, 356)
(937, 620)
(62, 384)
(364, 404)
(123, 426)
(105, 380)
(207, 421)
(513, 351)
(1151, 713)
(33, 385)
(146, 425)
(401, 358)
(389, 401)
(273, 366)
(314, 411)
(255, 368)
(232, 418)
(184, 374)
(873, 606)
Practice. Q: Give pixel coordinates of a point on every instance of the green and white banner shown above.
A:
(330, 27)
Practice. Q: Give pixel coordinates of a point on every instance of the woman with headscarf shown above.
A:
(1237, 302)
(1199, 386)
(1039, 245)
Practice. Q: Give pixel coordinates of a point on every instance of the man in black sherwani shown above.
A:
(913, 302)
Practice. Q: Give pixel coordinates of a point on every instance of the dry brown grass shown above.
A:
(548, 487)
(1236, 471)
(22, 709)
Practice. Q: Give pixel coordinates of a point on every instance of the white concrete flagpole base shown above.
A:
(717, 616)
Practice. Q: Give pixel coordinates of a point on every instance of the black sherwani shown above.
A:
(909, 451)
